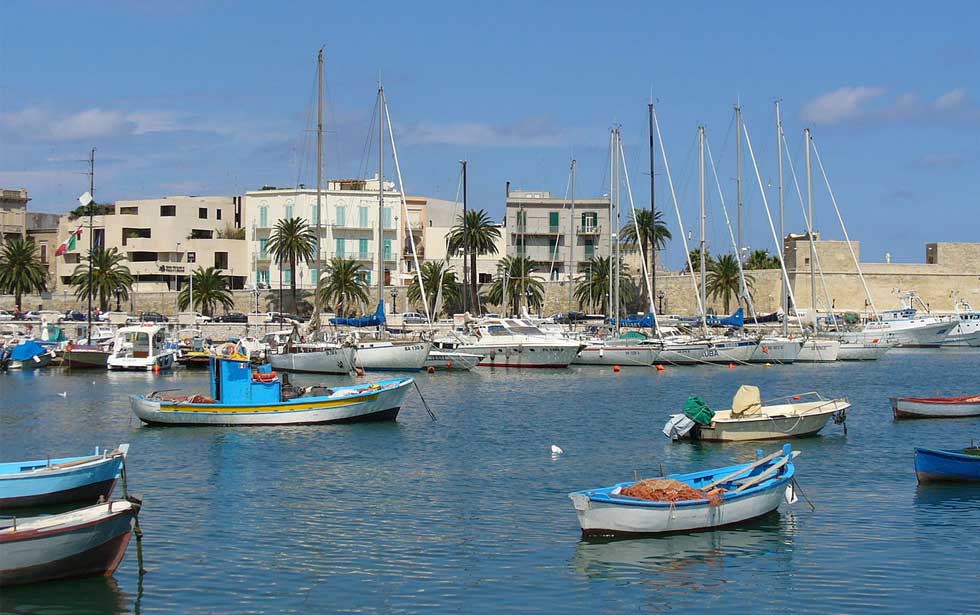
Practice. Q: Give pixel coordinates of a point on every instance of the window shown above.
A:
(553, 220)
(387, 217)
(263, 248)
(129, 211)
(132, 233)
(484, 278)
(314, 275)
(589, 248)
(264, 216)
(287, 276)
(142, 257)
(220, 260)
(590, 220)
(362, 217)
(552, 244)
(167, 211)
(387, 249)
(522, 218)
(202, 213)
(362, 248)
(44, 252)
(341, 213)
(264, 276)
(314, 214)
(340, 248)
(192, 257)
(217, 214)
(289, 211)
(199, 233)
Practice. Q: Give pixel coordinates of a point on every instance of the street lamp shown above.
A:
(660, 299)
(177, 277)
(394, 299)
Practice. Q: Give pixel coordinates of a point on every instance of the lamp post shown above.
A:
(177, 278)
(394, 299)
(660, 301)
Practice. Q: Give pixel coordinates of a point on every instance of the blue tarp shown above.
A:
(367, 321)
(639, 322)
(735, 320)
(26, 350)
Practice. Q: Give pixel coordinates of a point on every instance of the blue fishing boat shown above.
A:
(689, 502)
(45, 482)
(932, 465)
(241, 396)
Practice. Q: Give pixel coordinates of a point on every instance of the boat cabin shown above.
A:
(140, 342)
(234, 383)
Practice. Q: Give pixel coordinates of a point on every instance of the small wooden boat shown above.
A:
(722, 497)
(935, 407)
(84, 542)
(449, 360)
(240, 396)
(58, 481)
(933, 465)
(750, 418)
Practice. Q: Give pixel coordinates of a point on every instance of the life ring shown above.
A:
(265, 377)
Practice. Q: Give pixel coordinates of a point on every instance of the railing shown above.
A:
(589, 229)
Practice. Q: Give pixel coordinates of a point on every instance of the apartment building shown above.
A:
(165, 239)
(13, 210)
(543, 228)
(348, 229)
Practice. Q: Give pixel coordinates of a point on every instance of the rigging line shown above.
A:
(809, 230)
(636, 229)
(564, 205)
(368, 143)
(305, 139)
(332, 107)
(772, 227)
(850, 247)
(677, 209)
(744, 290)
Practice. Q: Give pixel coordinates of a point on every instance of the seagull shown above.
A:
(556, 450)
(63, 394)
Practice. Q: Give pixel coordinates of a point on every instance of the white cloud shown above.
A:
(535, 131)
(41, 123)
(846, 103)
(951, 100)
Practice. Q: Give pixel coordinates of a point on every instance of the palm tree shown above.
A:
(110, 277)
(21, 271)
(435, 274)
(761, 259)
(723, 280)
(696, 259)
(292, 240)
(515, 284)
(592, 289)
(342, 284)
(477, 235)
(210, 291)
(653, 232)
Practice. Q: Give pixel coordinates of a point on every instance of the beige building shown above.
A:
(43, 229)
(13, 211)
(164, 240)
(544, 229)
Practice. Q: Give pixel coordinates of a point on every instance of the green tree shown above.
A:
(723, 280)
(761, 259)
(515, 283)
(342, 285)
(434, 274)
(110, 277)
(94, 208)
(292, 240)
(592, 287)
(696, 259)
(21, 271)
(653, 232)
(477, 235)
(210, 290)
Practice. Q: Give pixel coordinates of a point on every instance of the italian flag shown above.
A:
(69, 244)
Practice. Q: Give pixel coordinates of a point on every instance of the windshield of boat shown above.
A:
(521, 328)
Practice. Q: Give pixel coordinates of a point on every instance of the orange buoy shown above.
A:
(431, 370)
(796, 397)
(449, 364)
(731, 366)
(661, 368)
(156, 368)
(616, 368)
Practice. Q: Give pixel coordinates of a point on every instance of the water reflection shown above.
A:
(949, 497)
(96, 596)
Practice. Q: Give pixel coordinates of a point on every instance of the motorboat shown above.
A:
(935, 407)
(141, 347)
(512, 342)
(818, 350)
(967, 332)
(749, 418)
(451, 360)
(962, 465)
(26, 355)
(194, 350)
(44, 482)
(688, 502)
(905, 327)
(240, 396)
(85, 542)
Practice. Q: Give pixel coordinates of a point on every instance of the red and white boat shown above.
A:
(935, 407)
(85, 542)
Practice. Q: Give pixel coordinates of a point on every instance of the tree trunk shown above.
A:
(292, 282)
(643, 289)
(476, 296)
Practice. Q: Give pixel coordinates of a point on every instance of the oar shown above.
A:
(764, 475)
(83, 461)
(758, 463)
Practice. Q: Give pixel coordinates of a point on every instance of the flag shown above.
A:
(69, 244)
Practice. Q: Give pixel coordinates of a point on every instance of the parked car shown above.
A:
(200, 318)
(152, 317)
(231, 317)
(569, 318)
(74, 315)
(5, 315)
(104, 316)
(287, 318)
(414, 318)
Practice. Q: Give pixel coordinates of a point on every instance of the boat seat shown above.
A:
(747, 401)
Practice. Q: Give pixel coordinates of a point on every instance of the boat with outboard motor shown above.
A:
(141, 347)
(240, 396)
(26, 355)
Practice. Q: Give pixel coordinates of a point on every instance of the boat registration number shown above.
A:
(413, 348)
(710, 353)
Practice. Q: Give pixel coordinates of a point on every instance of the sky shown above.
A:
(216, 98)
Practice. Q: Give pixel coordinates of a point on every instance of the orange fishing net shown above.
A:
(669, 490)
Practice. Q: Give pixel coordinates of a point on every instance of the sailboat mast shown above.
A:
(619, 161)
(653, 219)
(381, 193)
(319, 163)
(572, 243)
(466, 288)
(783, 292)
(612, 142)
(704, 218)
(91, 239)
(738, 181)
(809, 215)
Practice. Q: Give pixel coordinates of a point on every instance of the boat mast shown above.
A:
(91, 239)
(381, 192)
(782, 235)
(653, 221)
(609, 272)
(813, 248)
(572, 242)
(466, 288)
(704, 217)
(319, 181)
(738, 192)
(619, 137)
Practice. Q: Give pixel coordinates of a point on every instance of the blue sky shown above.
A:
(214, 98)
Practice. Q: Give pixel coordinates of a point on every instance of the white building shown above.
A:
(349, 229)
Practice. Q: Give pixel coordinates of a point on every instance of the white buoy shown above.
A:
(63, 394)
(556, 450)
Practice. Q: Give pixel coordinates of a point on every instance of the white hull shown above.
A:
(446, 360)
(859, 351)
(930, 331)
(963, 336)
(819, 351)
(532, 354)
(776, 350)
(600, 354)
(766, 428)
(392, 356)
(602, 517)
(336, 360)
(147, 364)
(908, 408)
(698, 352)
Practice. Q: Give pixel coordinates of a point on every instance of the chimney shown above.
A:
(507, 190)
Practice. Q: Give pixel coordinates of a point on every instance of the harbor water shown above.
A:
(470, 513)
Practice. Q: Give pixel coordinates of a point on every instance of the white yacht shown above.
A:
(141, 347)
(967, 332)
(513, 342)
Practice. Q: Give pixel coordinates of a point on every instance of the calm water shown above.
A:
(470, 513)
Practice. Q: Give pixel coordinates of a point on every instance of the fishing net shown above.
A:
(669, 490)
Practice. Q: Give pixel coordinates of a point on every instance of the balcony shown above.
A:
(538, 229)
(589, 229)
